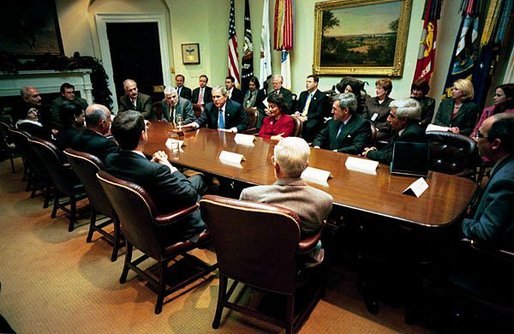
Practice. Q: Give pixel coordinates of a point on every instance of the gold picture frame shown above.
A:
(191, 53)
(361, 37)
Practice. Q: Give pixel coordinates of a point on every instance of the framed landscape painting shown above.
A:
(361, 37)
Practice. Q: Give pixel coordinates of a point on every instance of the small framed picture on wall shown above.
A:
(191, 53)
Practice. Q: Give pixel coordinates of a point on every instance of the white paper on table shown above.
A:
(433, 127)
(170, 141)
(362, 165)
(316, 175)
(230, 158)
(417, 188)
(244, 139)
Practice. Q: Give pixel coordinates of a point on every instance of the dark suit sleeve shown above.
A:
(147, 108)
(174, 188)
(186, 93)
(121, 105)
(385, 155)
(188, 113)
(440, 117)
(288, 98)
(360, 140)
(497, 214)
(240, 118)
(204, 117)
(470, 119)
(322, 138)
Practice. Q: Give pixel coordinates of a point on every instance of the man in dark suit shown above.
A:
(133, 100)
(93, 139)
(168, 188)
(311, 108)
(347, 131)
(404, 120)
(232, 92)
(493, 219)
(201, 94)
(175, 108)
(277, 81)
(67, 91)
(182, 90)
(222, 113)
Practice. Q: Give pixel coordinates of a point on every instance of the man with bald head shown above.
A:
(93, 139)
(133, 100)
(493, 218)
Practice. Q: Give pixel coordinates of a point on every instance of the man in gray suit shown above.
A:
(291, 157)
(176, 109)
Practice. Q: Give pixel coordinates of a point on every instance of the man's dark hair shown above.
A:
(503, 129)
(66, 85)
(231, 78)
(205, 76)
(180, 75)
(315, 77)
(126, 129)
(67, 112)
(279, 100)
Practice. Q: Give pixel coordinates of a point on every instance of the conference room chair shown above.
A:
(157, 111)
(252, 116)
(86, 166)
(257, 245)
(294, 102)
(374, 135)
(298, 126)
(34, 172)
(452, 153)
(68, 189)
(6, 145)
(142, 227)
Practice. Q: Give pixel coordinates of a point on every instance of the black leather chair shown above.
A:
(63, 177)
(298, 126)
(451, 153)
(257, 245)
(252, 116)
(86, 166)
(142, 226)
(35, 172)
(7, 147)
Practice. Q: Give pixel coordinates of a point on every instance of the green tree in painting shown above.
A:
(330, 47)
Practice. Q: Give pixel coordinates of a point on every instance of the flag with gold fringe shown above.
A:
(427, 45)
(284, 36)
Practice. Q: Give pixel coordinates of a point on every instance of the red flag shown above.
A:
(284, 36)
(427, 47)
(233, 56)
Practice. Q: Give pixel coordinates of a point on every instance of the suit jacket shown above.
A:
(312, 205)
(207, 95)
(317, 108)
(427, 110)
(235, 116)
(35, 129)
(183, 108)
(493, 220)
(465, 119)
(354, 136)
(413, 133)
(94, 143)
(382, 110)
(185, 92)
(143, 105)
(169, 191)
(237, 95)
(288, 97)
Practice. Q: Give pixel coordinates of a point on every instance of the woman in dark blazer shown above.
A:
(459, 114)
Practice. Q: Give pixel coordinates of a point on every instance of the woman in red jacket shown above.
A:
(278, 124)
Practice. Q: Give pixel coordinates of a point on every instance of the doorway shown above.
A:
(135, 54)
(137, 66)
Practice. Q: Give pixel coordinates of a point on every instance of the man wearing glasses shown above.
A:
(404, 120)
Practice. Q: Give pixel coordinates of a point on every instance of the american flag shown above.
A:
(233, 56)
(247, 70)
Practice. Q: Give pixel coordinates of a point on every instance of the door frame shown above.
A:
(101, 24)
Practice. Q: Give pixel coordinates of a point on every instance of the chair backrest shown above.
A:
(62, 177)
(157, 111)
(252, 116)
(298, 126)
(86, 166)
(450, 153)
(255, 243)
(135, 210)
(21, 138)
(374, 134)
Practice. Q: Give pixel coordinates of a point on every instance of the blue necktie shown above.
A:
(221, 120)
(340, 129)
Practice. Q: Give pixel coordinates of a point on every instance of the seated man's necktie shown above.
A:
(221, 120)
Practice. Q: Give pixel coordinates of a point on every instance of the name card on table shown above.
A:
(433, 127)
(362, 165)
(244, 139)
(232, 159)
(316, 175)
(417, 188)
(173, 144)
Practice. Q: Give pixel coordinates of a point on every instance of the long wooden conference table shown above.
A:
(380, 195)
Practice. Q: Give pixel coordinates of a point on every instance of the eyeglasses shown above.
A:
(480, 135)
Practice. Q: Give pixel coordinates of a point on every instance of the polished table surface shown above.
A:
(441, 204)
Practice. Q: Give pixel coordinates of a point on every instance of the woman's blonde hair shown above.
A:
(466, 87)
